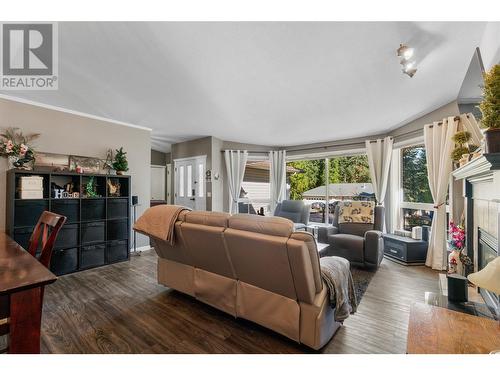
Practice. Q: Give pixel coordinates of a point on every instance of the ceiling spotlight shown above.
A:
(405, 52)
(409, 69)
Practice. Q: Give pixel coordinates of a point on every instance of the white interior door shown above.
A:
(189, 179)
(157, 182)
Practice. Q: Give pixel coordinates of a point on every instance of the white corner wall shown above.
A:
(66, 133)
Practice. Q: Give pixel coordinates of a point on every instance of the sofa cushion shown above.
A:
(348, 246)
(274, 226)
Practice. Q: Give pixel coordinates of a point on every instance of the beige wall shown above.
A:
(65, 133)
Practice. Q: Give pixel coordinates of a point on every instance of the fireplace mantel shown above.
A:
(481, 168)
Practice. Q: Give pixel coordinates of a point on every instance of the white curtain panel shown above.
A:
(468, 123)
(235, 166)
(277, 177)
(438, 147)
(379, 160)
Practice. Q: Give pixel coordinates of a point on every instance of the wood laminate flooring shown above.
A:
(121, 309)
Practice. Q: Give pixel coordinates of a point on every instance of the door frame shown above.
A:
(195, 159)
(164, 167)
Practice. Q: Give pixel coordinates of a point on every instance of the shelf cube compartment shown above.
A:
(118, 208)
(116, 251)
(67, 207)
(92, 256)
(93, 209)
(64, 261)
(93, 232)
(117, 229)
(67, 237)
(27, 212)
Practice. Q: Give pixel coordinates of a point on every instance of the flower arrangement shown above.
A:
(457, 237)
(456, 245)
(16, 146)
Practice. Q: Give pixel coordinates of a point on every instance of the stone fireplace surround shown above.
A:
(480, 192)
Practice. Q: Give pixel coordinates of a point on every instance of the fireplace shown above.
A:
(487, 251)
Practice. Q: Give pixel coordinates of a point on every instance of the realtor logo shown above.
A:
(28, 56)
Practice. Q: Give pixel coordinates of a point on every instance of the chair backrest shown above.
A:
(45, 235)
(296, 211)
(359, 229)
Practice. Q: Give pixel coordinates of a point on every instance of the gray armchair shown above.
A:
(361, 244)
(296, 211)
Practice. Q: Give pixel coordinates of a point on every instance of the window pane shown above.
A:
(189, 181)
(201, 180)
(414, 175)
(181, 181)
(413, 218)
(255, 189)
(349, 179)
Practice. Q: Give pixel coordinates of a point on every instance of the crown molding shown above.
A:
(72, 112)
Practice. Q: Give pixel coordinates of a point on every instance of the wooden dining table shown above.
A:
(22, 280)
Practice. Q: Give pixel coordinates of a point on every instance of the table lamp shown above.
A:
(488, 278)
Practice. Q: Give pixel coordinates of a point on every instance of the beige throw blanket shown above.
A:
(336, 273)
(159, 222)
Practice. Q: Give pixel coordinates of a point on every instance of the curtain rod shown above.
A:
(326, 147)
(456, 118)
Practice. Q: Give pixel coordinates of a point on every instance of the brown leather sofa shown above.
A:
(251, 267)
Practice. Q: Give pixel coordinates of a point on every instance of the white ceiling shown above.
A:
(280, 83)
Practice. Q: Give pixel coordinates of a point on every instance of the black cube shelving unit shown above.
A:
(97, 230)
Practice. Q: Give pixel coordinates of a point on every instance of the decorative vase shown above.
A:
(492, 140)
(453, 261)
(119, 173)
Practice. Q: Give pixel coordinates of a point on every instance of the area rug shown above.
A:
(361, 279)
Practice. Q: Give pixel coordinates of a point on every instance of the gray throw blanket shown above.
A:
(336, 273)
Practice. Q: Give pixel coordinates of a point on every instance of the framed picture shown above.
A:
(89, 165)
(46, 161)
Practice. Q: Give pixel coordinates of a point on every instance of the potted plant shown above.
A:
(120, 164)
(462, 151)
(490, 109)
(15, 146)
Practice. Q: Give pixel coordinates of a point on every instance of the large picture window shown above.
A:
(416, 203)
(348, 178)
(414, 175)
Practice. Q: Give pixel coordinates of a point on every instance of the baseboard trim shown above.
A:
(141, 248)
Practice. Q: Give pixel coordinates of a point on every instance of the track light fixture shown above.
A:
(405, 53)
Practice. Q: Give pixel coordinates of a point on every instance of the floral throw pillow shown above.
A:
(357, 212)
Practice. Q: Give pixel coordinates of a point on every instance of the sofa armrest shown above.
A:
(325, 232)
(374, 247)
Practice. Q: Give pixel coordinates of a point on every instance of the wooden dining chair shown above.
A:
(45, 234)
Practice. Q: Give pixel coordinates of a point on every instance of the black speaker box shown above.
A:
(457, 288)
(135, 200)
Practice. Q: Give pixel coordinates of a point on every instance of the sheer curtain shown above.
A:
(277, 176)
(438, 147)
(235, 167)
(379, 159)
